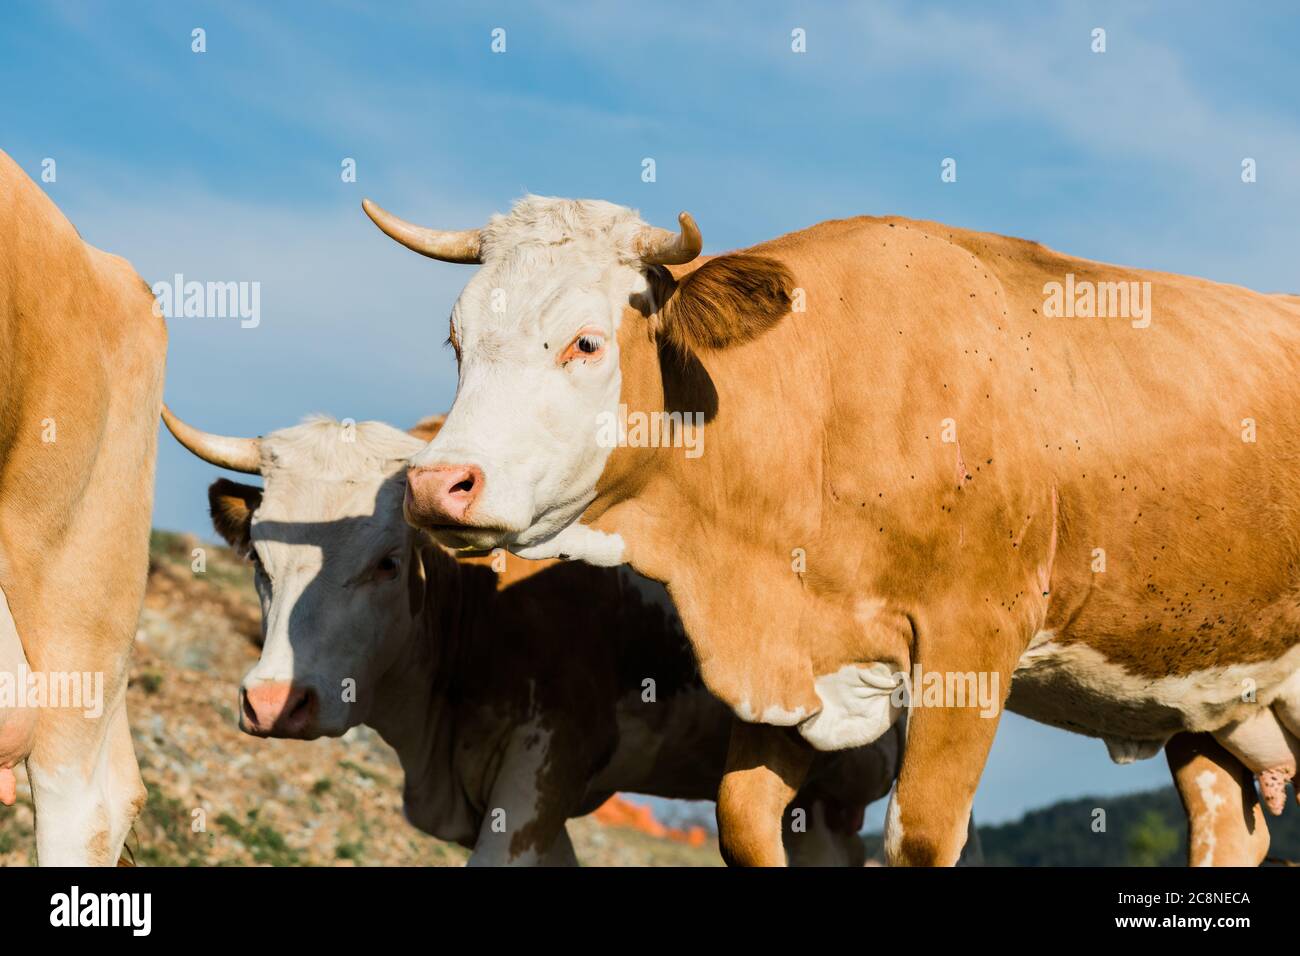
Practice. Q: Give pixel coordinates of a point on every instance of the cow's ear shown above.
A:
(726, 301)
(232, 506)
(426, 428)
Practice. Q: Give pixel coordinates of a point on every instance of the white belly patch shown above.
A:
(1071, 685)
(858, 706)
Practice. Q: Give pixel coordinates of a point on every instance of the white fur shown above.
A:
(579, 542)
(1076, 687)
(517, 793)
(551, 268)
(773, 714)
(331, 507)
(856, 707)
(1205, 781)
(893, 827)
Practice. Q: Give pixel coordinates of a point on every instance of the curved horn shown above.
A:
(237, 454)
(462, 246)
(667, 248)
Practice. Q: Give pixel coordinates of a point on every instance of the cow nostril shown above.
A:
(250, 715)
(464, 486)
(305, 705)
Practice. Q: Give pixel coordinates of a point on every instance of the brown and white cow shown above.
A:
(81, 373)
(917, 460)
(514, 700)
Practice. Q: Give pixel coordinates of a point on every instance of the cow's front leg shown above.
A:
(765, 768)
(86, 786)
(523, 824)
(965, 674)
(1225, 822)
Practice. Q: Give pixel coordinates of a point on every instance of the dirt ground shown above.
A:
(220, 798)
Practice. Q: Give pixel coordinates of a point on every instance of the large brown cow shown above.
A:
(971, 475)
(502, 739)
(81, 372)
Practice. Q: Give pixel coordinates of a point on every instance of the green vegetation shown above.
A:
(221, 567)
(163, 835)
(265, 843)
(1141, 829)
(349, 851)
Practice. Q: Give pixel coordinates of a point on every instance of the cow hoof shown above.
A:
(8, 786)
(1272, 788)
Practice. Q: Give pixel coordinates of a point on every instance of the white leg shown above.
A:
(524, 823)
(86, 787)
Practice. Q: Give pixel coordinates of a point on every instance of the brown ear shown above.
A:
(426, 428)
(232, 506)
(726, 301)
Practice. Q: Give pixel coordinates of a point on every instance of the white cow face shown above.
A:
(535, 333)
(337, 570)
(519, 456)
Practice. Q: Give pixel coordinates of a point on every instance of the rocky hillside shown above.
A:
(218, 797)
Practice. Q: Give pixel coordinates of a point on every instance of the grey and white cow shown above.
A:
(514, 700)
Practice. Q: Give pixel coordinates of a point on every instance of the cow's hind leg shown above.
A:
(17, 721)
(766, 766)
(1225, 823)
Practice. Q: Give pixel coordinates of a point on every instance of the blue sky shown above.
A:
(225, 166)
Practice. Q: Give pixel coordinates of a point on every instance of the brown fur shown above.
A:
(231, 505)
(1072, 434)
(766, 766)
(426, 428)
(80, 351)
(726, 301)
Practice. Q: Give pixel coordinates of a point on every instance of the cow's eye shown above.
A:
(587, 346)
(387, 567)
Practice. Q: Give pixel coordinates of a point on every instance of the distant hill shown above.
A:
(1141, 829)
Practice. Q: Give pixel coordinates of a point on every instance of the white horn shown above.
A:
(462, 246)
(667, 248)
(237, 454)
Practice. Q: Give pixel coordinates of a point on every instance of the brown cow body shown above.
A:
(974, 487)
(1072, 435)
(81, 371)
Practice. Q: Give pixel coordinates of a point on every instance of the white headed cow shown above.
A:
(880, 447)
(501, 738)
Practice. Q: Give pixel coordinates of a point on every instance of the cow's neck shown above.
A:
(687, 521)
(413, 707)
(639, 493)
